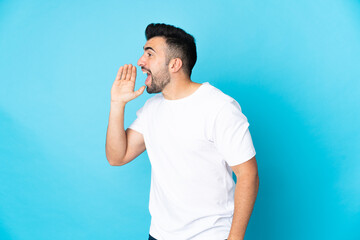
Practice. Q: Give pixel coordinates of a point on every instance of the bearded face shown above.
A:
(157, 81)
(155, 63)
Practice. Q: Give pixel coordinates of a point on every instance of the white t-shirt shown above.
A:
(191, 143)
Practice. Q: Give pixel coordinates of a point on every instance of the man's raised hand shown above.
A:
(122, 90)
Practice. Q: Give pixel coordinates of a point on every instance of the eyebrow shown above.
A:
(148, 48)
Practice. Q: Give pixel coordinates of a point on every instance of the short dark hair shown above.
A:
(180, 44)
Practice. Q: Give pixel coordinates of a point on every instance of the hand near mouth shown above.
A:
(122, 90)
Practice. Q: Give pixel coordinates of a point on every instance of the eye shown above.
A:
(149, 54)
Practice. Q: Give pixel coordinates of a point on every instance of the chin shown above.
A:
(149, 90)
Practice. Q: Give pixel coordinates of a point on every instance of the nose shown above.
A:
(141, 61)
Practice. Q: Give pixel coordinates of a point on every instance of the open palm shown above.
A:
(122, 90)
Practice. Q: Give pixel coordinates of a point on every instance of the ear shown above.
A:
(175, 65)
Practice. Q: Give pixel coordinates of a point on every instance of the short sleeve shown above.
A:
(138, 123)
(232, 136)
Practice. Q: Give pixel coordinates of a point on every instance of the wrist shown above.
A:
(117, 105)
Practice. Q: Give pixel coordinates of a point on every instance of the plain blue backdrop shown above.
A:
(294, 67)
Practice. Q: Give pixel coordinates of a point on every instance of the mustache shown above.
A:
(148, 70)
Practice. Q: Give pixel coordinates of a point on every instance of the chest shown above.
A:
(181, 126)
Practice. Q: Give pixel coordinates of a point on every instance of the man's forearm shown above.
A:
(116, 135)
(245, 195)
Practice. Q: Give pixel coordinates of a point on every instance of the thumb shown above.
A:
(140, 91)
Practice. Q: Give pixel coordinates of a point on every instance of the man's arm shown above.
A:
(246, 189)
(121, 147)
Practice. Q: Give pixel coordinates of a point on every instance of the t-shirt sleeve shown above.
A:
(138, 124)
(232, 136)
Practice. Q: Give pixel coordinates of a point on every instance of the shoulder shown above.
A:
(223, 112)
(217, 100)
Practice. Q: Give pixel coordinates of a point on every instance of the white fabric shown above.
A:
(191, 143)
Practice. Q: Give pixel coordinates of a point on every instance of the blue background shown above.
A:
(294, 67)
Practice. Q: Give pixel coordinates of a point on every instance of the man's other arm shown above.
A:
(123, 146)
(246, 190)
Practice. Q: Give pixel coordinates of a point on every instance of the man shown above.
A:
(195, 136)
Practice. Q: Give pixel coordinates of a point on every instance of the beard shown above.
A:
(159, 81)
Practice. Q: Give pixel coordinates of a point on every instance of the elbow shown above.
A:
(112, 157)
(113, 161)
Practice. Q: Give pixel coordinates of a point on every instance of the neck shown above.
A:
(179, 88)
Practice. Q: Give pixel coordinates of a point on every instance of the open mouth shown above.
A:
(148, 79)
(145, 70)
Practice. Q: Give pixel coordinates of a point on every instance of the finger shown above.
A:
(140, 91)
(123, 75)
(118, 75)
(133, 74)
(129, 71)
